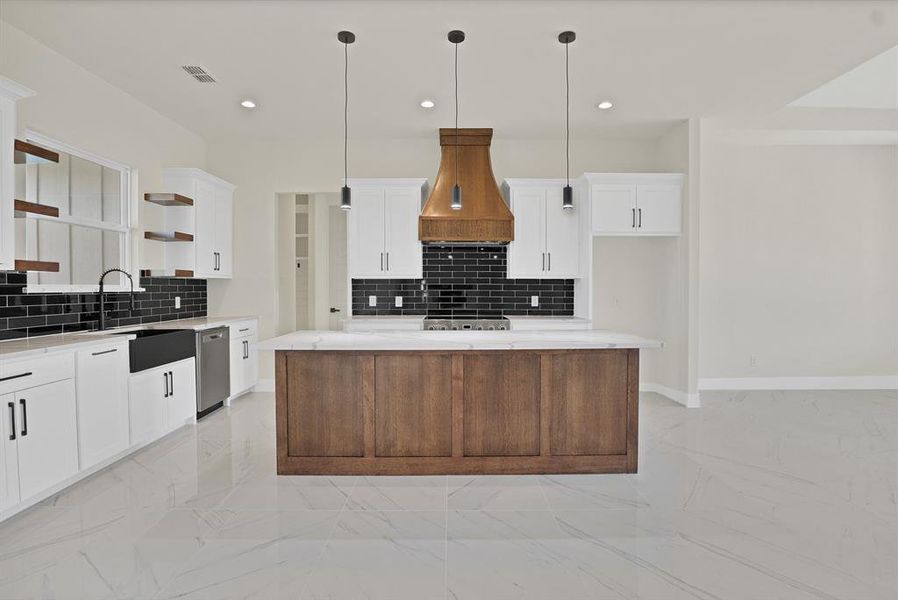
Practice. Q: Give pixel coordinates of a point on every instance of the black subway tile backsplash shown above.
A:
(464, 281)
(27, 315)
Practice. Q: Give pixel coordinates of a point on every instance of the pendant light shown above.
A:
(345, 38)
(456, 37)
(567, 201)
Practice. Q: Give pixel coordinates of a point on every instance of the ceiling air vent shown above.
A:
(199, 73)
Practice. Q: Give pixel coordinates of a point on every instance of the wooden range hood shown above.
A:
(484, 216)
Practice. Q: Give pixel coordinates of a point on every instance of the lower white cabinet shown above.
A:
(40, 439)
(244, 357)
(161, 400)
(101, 382)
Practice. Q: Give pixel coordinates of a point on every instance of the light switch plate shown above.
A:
(398, 301)
(177, 301)
(372, 300)
(534, 301)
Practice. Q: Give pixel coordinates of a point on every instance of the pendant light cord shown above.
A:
(456, 114)
(345, 112)
(567, 117)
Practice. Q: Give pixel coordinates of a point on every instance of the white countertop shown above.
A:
(456, 340)
(412, 322)
(25, 347)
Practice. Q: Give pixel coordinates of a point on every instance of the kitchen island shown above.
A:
(456, 402)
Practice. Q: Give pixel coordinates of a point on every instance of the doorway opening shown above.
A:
(312, 277)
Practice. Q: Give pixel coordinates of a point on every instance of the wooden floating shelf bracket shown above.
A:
(168, 199)
(26, 152)
(168, 236)
(21, 206)
(37, 265)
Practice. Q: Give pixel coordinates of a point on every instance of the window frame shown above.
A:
(126, 225)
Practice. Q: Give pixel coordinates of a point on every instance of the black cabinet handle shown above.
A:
(15, 376)
(171, 382)
(12, 420)
(104, 352)
(244, 329)
(633, 223)
(24, 417)
(550, 260)
(165, 377)
(640, 217)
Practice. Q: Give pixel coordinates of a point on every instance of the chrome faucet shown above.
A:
(101, 326)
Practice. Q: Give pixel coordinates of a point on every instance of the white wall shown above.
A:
(799, 247)
(262, 169)
(76, 107)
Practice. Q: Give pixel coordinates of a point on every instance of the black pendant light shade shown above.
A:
(346, 38)
(567, 200)
(456, 37)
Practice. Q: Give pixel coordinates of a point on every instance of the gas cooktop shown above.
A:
(493, 324)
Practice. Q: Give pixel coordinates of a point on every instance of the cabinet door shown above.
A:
(527, 253)
(224, 232)
(146, 401)
(238, 366)
(48, 438)
(562, 237)
(180, 406)
(204, 234)
(403, 258)
(658, 208)
(9, 457)
(366, 234)
(613, 209)
(102, 402)
(251, 369)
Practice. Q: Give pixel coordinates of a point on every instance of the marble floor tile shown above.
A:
(758, 495)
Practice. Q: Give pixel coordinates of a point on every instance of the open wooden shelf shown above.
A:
(21, 206)
(37, 265)
(168, 199)
(168, 236)
(25, 149)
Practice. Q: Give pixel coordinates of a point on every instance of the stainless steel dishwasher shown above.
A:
(213, 369)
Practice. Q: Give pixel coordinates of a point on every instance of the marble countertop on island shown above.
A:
(456, 340)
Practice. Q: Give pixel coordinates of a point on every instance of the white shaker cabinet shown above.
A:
(161, 400)
(244, 357)
(382, 229)
(546, 236)
(9, 458)
(210, 219)
(10, 93)
(634, 204)
(101, 378)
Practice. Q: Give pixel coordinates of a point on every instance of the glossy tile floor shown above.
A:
(758, 496)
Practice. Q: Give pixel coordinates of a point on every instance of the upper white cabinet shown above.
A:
(10, 93)
(635, 203)
(546, 236)
(382, 229)
(101, 378)
(209, 219)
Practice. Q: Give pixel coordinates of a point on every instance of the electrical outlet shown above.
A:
(177, 301)
(534, 301)
(372, 300)
(753, 360)
(398, 301)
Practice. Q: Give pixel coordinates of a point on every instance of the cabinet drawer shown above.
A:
(23, 374)
(243, 329)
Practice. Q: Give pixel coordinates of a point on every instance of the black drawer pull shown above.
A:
(244, 329)
(16, 376)
(12, 420)
(104, 352)
(24, 417)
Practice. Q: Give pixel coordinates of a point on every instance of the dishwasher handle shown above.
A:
(211, 337)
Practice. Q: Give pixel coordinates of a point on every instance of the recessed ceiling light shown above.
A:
(604, 105)
(427, 104)
(248, 104)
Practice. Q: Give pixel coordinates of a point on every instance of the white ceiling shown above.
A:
(658, 61)
(873, 85)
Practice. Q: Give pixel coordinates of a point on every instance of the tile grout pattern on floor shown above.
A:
(757, 495)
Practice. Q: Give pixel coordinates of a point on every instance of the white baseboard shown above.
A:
(264, 385)
(861, 382)
(686, 399)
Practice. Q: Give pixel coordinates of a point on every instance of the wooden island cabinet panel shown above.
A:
(392, 412)
(587, 417)
(413, 405)
(501, 404)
